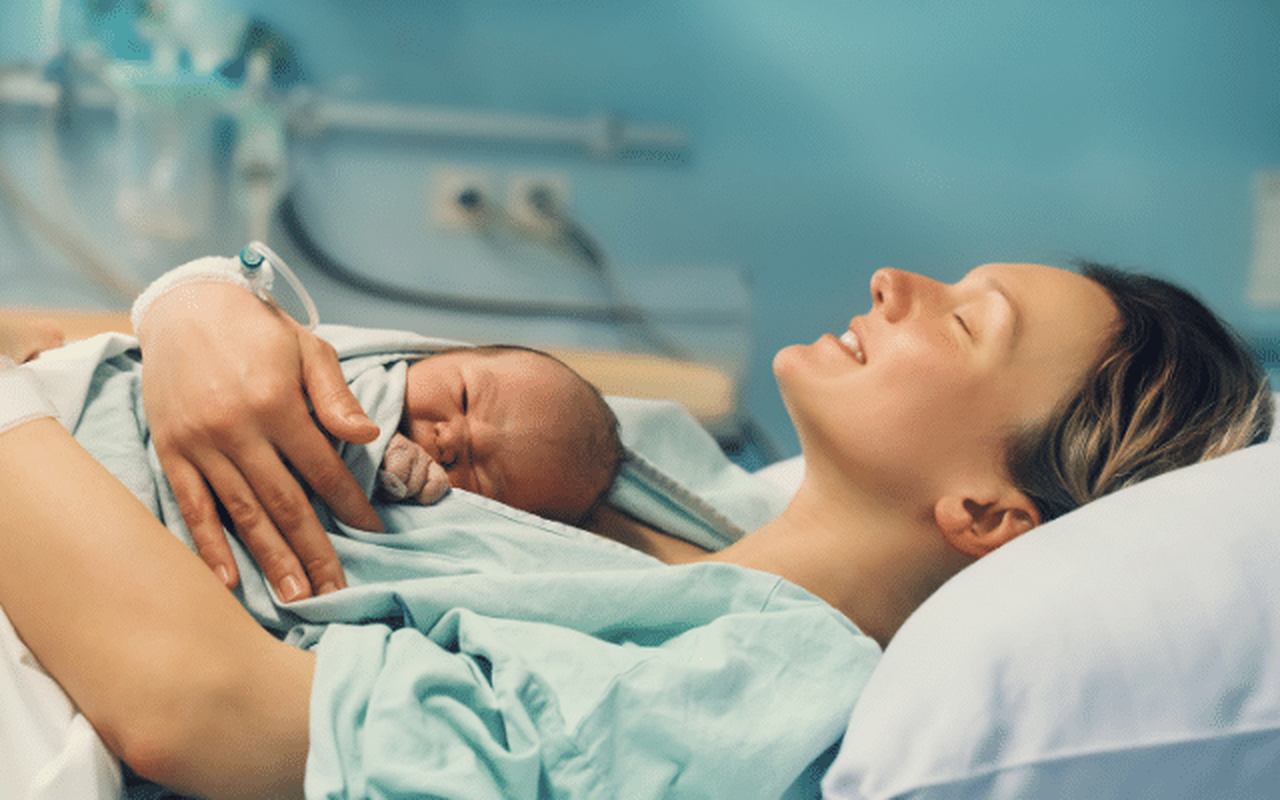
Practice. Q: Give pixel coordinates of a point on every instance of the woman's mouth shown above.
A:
(849, 341)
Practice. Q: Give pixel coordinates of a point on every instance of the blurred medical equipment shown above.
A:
(207, 63)
(211, 71)
(61, 231)
(167, 107)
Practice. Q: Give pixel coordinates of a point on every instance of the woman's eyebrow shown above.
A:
(1008, 298)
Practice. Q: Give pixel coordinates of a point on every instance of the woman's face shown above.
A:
(924, 388)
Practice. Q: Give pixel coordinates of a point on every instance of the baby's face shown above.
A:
(490, 418)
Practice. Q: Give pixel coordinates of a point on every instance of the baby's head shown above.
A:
(516, 425)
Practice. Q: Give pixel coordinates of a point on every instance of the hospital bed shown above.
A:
(1128, 649)
(708, 392)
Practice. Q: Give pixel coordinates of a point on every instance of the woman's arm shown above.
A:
(175, 676)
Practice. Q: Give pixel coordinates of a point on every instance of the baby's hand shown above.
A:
(409, 474)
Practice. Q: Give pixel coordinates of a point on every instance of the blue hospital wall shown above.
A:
(830, 138)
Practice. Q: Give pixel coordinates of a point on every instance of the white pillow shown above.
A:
(1128, 649)
(784, 475)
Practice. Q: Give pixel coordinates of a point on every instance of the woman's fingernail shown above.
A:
(224, 574)
(328, 586)
(290, 588)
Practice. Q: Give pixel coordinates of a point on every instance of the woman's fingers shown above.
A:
(45, 334)
(340, 414)
(296, 529)
(198, 510)
(334, 404)
(325, 472)
(255, 528)
(280, 530)
(23, 339)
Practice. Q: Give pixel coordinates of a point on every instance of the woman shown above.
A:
(950, 420)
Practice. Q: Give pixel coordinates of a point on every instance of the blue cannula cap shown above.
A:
(250, 258)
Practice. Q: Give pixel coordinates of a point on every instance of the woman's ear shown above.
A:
(976, 525)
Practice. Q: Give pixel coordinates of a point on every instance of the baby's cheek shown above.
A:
(420, 432)
(462, 479)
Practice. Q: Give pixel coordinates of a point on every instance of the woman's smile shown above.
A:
(841, 344)
(851, 340)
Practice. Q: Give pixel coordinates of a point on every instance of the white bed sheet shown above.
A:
(48, 750)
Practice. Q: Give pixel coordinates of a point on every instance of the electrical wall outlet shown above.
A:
(523, 191)
(461, 199)
(1264, 278)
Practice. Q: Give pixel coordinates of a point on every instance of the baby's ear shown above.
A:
(975, 525)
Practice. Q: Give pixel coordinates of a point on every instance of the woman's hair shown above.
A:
(1174, 386)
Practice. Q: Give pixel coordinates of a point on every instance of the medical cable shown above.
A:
(577, 240)
(328, 265)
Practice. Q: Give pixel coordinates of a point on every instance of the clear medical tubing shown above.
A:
(259, 263)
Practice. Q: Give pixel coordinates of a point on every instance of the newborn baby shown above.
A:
(510, 423)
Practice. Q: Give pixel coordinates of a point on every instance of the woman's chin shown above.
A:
(787, 360)
(787, 372)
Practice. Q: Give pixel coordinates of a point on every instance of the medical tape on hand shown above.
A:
(253, 270)
(217, 269)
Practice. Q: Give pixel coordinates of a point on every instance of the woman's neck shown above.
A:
(872, 564)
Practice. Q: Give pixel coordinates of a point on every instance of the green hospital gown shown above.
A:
(482, 652)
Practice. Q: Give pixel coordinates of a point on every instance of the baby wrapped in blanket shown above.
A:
(510, 423)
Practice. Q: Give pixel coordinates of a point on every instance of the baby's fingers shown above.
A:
(436, 485)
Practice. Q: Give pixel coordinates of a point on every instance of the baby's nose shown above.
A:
(447, 443)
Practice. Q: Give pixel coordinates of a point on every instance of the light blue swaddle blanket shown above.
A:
(483, 652)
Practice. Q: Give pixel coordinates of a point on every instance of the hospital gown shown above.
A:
(483, 652)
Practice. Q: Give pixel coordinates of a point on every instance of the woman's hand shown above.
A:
(24, 339)
(226, 381)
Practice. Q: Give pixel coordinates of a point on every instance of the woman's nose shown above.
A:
(891, 293)
(897, 293)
